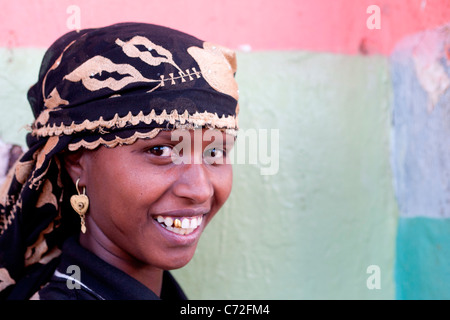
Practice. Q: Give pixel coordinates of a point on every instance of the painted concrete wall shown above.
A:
(318, 74)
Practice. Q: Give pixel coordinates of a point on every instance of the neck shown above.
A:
(97, 242)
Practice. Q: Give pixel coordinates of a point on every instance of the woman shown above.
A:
(125, 168)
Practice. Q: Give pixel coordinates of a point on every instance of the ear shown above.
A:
(74, 162)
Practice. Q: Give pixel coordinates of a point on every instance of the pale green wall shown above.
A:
(310, 231)
(18, 71)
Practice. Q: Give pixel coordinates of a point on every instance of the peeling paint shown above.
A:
(428, 56)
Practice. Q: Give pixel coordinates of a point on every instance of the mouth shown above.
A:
(180, 225)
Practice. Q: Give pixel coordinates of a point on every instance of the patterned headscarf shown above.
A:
(105, 86)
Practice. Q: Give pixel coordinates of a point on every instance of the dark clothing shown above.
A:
(98, 280)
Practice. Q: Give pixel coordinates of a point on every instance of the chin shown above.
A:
(177, 260)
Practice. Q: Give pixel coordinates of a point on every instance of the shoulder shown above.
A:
(54, 291)
(58, 289)
(65, 282)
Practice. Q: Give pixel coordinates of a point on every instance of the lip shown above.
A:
(183, 212)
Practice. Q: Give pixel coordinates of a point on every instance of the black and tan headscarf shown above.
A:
(106, 86)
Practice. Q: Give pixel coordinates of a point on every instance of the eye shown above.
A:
(161, 151)
(214, 155)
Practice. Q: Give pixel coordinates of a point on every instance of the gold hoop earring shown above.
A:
(80, 203)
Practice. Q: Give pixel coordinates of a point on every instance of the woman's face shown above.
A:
(149, 207)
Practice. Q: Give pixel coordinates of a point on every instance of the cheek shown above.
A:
(122, 196)
(222, 183)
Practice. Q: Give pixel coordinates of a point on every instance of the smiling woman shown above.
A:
(104, 159)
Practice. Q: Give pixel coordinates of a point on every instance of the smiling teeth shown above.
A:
(180, 226)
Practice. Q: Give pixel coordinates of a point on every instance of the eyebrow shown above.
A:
(166, 135)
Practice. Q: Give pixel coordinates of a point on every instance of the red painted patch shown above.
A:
(337, 26)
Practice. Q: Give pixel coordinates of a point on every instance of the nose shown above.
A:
(194, 183)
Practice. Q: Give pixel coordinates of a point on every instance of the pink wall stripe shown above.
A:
(337, 26)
